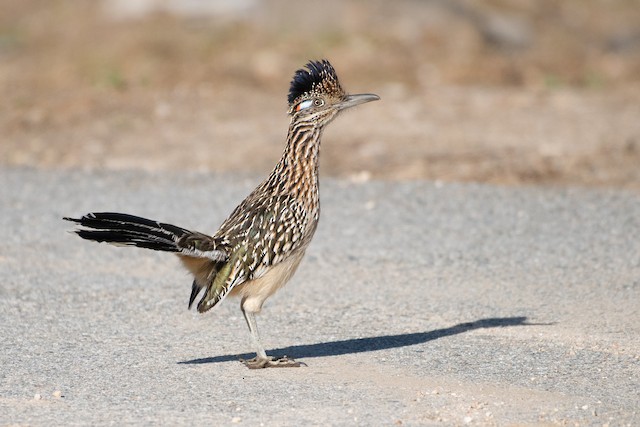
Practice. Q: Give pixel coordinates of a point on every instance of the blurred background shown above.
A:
(506, 92)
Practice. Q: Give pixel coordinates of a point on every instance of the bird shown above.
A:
(258, 248)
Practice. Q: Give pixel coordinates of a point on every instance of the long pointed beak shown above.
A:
(353, 100)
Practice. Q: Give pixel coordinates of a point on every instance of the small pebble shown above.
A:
(37, 396)
(57, 394)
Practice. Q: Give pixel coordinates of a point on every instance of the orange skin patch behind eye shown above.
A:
(303, 105)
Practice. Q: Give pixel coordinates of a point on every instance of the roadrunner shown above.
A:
(259, 247)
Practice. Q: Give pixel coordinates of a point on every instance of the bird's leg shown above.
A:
(262, 360)
(250, 317)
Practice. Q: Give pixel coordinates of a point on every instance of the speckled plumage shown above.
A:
(258, 247)
(280, 216)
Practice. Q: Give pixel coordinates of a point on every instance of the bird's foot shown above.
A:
(271, 362)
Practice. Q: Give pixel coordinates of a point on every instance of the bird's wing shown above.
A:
(258, 238)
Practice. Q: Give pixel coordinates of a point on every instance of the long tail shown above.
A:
(129, 230)
(203, 255)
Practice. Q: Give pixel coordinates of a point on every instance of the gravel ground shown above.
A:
(418, 304)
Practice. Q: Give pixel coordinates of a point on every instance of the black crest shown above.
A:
(317, 77)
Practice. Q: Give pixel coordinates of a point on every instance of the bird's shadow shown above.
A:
(361, 345)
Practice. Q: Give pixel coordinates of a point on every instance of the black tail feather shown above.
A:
(195, 290)
(124, 229)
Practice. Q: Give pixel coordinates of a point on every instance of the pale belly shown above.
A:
(255, 292)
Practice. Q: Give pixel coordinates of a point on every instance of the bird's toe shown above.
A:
(271, 362)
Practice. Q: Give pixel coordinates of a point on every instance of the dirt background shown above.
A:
(507, 92)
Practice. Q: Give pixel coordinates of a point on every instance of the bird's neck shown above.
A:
(297, 171)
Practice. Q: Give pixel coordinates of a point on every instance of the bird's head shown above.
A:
(316, 96)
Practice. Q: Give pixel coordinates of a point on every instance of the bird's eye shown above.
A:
(318, 102)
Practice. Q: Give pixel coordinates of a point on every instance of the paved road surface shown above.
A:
(418, 304)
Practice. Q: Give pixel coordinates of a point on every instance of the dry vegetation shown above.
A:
(495, 91)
